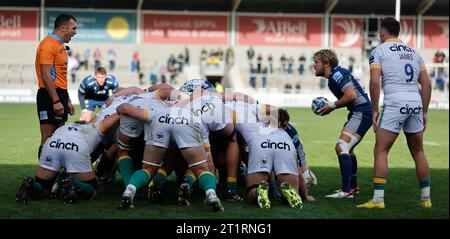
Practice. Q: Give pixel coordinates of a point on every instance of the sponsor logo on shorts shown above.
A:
(173, 120)
(275, 145)
(43, 115)
(48, 160)
(408, 110)
(58, 144)
(133, 129)
(159, 137)
(399, 125)
(263, 162)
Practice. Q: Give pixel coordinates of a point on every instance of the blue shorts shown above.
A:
(91, 104)
(359, 122)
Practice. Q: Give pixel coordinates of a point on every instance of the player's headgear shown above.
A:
(193, 84)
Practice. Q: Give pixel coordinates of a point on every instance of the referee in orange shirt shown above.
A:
(53, 102)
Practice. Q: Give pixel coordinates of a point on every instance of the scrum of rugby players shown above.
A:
(196, 133)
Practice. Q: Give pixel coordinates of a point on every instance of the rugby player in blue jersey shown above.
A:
(350, 94)
(94, 90)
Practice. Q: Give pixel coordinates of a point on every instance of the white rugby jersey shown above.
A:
(210, 109)
(400, 69)
(112, 108)
(90, 132)
(246, 120)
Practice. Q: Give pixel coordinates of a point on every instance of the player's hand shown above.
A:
(58, 108)
(424, 121)
(325, 110)
(375, 120)
(109, 100)
(71, 108)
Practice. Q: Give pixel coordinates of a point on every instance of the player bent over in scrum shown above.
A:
(69, 147)
(163, 126)
(270, 148)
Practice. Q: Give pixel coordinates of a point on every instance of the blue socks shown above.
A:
(345, 164)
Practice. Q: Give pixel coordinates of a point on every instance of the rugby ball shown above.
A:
(318, 103)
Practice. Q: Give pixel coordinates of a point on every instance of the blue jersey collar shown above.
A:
(56, 37)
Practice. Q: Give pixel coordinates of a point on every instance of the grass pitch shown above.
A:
(19, 141)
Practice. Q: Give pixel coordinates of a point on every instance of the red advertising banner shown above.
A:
(280, 30)
(347, 32)
(407, 31)
(435, 33)
(185, 29)
(18, 25)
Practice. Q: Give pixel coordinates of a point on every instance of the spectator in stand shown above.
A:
(78, 58)
(270, 60)
(301, 64)
(290, 62)
(203, 54)
(439, 57)
(250, 54)
(154, 74)
(112, 56)
(220, 53)
(97, 56)
(186, 56)
(162, 73)
(287, 88)
(351, 63)
(283, 61)
(229, 57)
(298, 86)
(252, 76)
(264, 76)
(86, 55)
(259, 60)
(180, 62)
(136, 60)
(72, 66)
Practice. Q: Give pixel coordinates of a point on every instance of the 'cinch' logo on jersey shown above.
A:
(59, 144)
(408, 110)
(203, 109)
(173, 120)
(274, 145)
(396, 47)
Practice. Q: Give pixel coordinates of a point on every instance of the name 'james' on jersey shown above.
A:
(401, 66)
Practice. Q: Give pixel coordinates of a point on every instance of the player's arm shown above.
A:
(50, 87)
(374, 84)
(128, 91)
(130, 110)
(348, 97)
(374, 88)
(123, 91)
(158, 87)
(108, 123)
(424, 82)
(82, 94)
(115, 84)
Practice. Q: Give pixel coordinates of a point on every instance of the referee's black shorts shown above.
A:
(45, 110)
